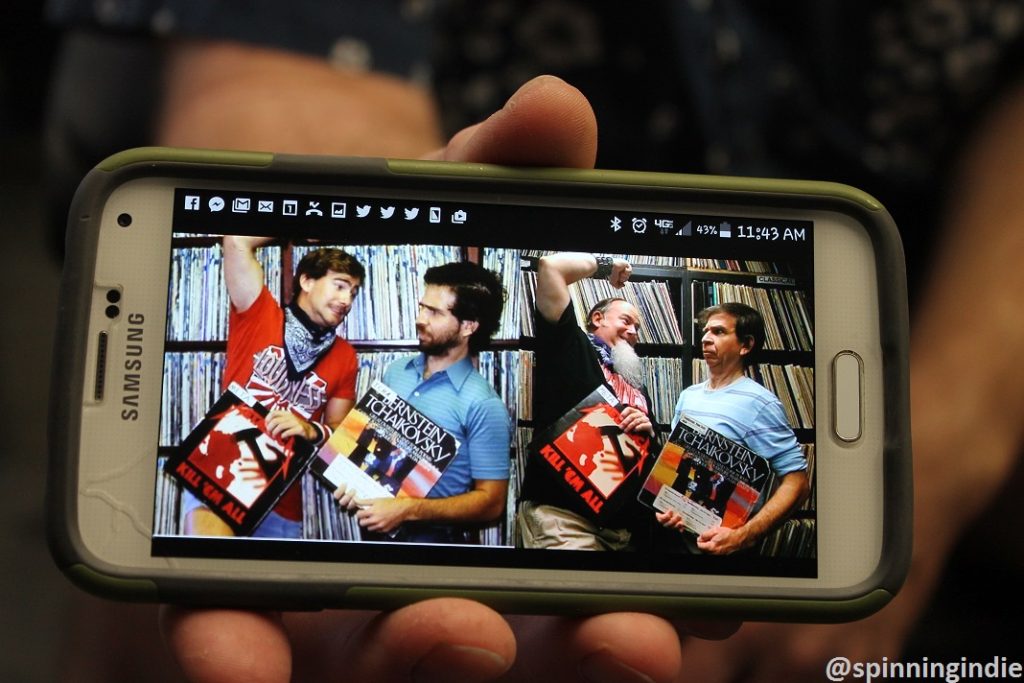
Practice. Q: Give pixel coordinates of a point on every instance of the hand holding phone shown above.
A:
(641, 602)
(432, 633)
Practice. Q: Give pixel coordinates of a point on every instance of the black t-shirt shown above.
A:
(566, 369)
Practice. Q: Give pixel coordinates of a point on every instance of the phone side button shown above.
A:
(847, 405)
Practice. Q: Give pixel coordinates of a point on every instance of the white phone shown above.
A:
(303, 382)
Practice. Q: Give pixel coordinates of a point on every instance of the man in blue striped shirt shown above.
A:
(743, 410)
(459, 311)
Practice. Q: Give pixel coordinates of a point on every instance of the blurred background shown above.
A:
(51, 631)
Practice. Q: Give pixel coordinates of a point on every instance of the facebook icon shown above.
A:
(191, 202)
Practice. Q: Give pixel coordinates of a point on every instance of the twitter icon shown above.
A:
(410, 214)
(362, 210)
(387, 212)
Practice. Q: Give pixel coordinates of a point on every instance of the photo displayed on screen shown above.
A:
(368, 379)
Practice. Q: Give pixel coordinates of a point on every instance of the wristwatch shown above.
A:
(604, 266)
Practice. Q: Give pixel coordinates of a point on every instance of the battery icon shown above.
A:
(725, 229)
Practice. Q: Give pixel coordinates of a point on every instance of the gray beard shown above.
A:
(628, 364)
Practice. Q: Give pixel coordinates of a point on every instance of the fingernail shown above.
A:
(459, 663)
(531, 85)
(601, 667)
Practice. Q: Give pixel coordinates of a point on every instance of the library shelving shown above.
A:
(668, 292)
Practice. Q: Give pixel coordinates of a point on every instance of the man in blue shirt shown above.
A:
(743, 410)
(458, 312)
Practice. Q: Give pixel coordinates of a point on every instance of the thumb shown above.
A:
(547, 122)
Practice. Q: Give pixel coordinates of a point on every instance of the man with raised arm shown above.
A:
(570, 364)
(459, 311)
(289, 358)
(741, 409)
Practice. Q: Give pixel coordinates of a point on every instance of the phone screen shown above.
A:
(626, 423)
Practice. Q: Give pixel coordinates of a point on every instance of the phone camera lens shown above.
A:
(113, 296)
(113, 312)
(124, 220)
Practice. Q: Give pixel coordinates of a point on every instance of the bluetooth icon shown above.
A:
(616, 223)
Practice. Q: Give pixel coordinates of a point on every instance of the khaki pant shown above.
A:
(546, 526)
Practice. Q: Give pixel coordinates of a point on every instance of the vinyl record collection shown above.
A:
(796, 536)
(385, 308)
(659, 321)
(507, 263)
(734, 266)
(197, 311)
(793, 384)
(785, 311)
(634, 259)
(382, 326)
(665, 379)
(191, 385)
(167, 514)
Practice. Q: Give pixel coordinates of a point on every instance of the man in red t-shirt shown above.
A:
(289, 358)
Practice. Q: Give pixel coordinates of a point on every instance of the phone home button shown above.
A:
(847, 404)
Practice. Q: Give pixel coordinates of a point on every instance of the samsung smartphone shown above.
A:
(143, 401)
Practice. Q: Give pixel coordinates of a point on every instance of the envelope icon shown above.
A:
(265, 206)
(241, 205)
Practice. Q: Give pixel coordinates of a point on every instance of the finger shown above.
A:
(223, 646)
(669, 521)
(368, 519)
(275, 424)
(444, 639)
(340, 492)
(610, 647)
(712, 546)
(293, 430)
(740, 658)
(347, 499)
(547, 122)
(711, 630)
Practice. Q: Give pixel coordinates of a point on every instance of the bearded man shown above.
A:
(458, 313)
(570, 364)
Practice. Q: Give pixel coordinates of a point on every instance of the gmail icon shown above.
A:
(241, 205)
